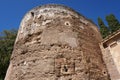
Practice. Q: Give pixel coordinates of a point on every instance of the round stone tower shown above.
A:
(56, 43)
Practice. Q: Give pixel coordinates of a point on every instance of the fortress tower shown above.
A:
(56, 43)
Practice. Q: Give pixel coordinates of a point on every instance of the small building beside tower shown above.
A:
(110, 47)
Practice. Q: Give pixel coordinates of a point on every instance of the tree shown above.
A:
(7, 39)
(103, 29)
(113, 23)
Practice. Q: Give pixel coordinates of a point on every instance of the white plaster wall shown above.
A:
(115, 52)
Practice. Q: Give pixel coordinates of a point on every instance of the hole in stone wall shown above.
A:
(92, 34)
(32, 13)
(104, 72)
(67, 23)
(70, 79)
(34, 61)
(18, 64)
(86, 72)
(105, 45)
(65, 69)
(51, 45)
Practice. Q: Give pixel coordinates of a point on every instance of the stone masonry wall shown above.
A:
(114, 74)
(56, 43)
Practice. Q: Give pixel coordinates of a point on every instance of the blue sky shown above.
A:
(12, 11)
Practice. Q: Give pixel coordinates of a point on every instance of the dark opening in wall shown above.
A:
(105, 45)
(67, 23)
(70, 79)
(32, 13)
(86, 72)
(34, 61)
(65, 69)
(104, 72)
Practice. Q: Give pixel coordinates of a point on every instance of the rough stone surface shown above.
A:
(56, 43)
(110, 47)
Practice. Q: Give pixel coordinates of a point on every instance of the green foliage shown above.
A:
(7, 39)
(103, 29)
(113, 23)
